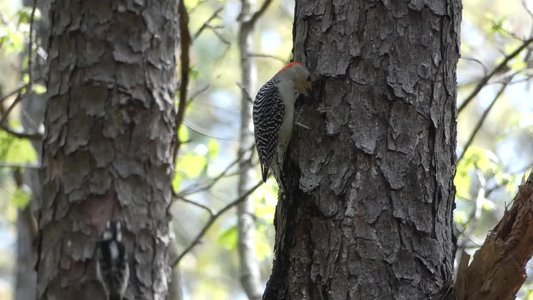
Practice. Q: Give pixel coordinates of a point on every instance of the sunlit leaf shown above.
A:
(21, 197)
(487, 204)
(38, 88)
(194, 73)
(262, 246)
(183, 134)
(192, 165)
(176, 182)
(15, 150)
(191, 3)
(228, 238)
(460, 216)
(213, 147)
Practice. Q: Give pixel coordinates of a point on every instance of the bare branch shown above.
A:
(34, 136)
(30, 47)
(196, 94)
(497, 69)
(498, 268)
(529, 12)
(10, 108)
(261, 55)
(259, 13)
(19, 166)
(479, 62)
(214, 180)
(482, 119)
(15, 91)
(206, 23)
(185, 45)
(212, 220)
(245, 93)
(6, 128)
(209, 211)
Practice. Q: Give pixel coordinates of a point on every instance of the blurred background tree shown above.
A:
(495, 133)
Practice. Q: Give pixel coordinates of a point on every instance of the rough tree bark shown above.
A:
(110, 135)
(368, 214)
(498, 268)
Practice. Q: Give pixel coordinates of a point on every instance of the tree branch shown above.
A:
(10, 108)
(212, 220)
(206, 23)
(498, 268)
(185, 45)
(15, 91)
(482, 119)
(30, 47)
(23, 135)
(497, 69)
(258, 13)
(209, 211)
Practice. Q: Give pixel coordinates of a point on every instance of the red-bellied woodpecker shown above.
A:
(273, 116)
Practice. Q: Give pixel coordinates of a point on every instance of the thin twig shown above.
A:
(479, 62)
(529, 12)
(206, 23)
(497, 69)
(10, 108)
(196, 94)
(212, 220)
(209, 210)
(185, 44)
(30, 47)
(19, 166)
(261, 55)
(23, 135)
(15, 91)
(482, 119)
(245, 92)
(259, 13)
(214, 180)
(205, 132)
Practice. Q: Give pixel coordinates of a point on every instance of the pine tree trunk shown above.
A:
(109, 141)
(368, 214)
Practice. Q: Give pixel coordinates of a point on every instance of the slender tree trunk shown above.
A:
(107, 152)
(249, 268)
(31, 117)
(368, 214)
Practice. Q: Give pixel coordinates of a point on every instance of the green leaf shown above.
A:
(228, 238)
(176, 181)
(213, 148)
(20, 151)
(15, 150)
(183, 134)
(191, 3)
(487, 204)
(194, 73)
(38, 88)
(192, 165)
(20, 198)
(460, 216)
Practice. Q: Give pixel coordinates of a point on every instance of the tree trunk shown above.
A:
(368, 213)
(248, 265)
(32, 112)
(107, 152)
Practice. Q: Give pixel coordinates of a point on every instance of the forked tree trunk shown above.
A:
(368, 214)
(109, 141)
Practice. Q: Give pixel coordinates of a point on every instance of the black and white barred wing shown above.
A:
(267, 116)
